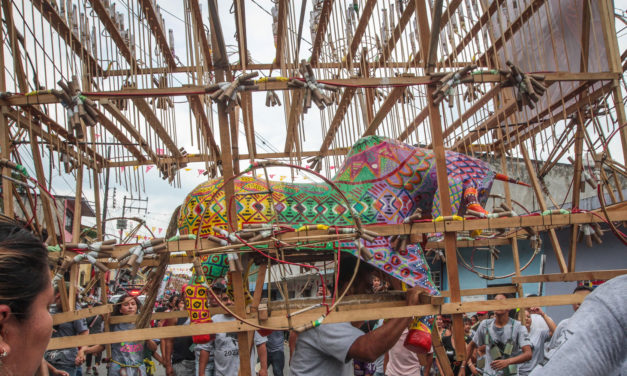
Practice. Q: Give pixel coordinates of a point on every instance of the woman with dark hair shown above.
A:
(25, 295)
(127, 358)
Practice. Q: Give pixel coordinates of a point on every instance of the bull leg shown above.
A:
(472, 203)
(409, 265)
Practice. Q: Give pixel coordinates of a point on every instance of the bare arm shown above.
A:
(262, 352)
(549, 322)
(292, 343)
(502, 363)
(375, 343)
(166, 353)
(428, 363)
(470, 348)
(203, 360)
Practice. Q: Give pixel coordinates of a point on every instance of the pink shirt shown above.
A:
(402, 362)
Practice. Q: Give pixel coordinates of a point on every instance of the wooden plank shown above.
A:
(512, 28)
(360, 30)
(48, 11)
(293, 119)
(130, 128)
(107, 22)
(476, 28)
(578, 168)
(616, 213)
(606, 12)
(202, 36)
(360, 314)
(156, 125)
(121, 137)
(5, 139)
(36, 112)
(476, 106)
(571, 276)
(516, 137)
(440, 352)
(492, 122)
(54, 141)
(261, 277)
(540, 197)
(411, 127)
(450, 247)
(203, 122)
(323, 22)
(191, 158)
(47, 204)
(390, 44)
(154, 22)
(340, 112)
(249, 126)
(281, 40)
(228, 168)
(21, 100)
(84, 313)
(483, 291)
(383, 111)
(240, 20)
(434, 36)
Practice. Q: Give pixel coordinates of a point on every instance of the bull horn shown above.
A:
(503, 177)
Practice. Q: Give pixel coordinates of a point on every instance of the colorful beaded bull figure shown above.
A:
(384, 180)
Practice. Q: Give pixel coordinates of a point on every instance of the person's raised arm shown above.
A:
(549, 321)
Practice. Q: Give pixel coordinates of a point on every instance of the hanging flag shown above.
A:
(97, 135)
(122, 168)
(332, 167)
(271, 176)
(135, 167)
(153, 228)
(201, 171)
(282, 178)
(160, 229)
(148, 168)
(188, 169)
(160, 151)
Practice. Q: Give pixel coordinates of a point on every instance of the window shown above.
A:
(436, 277)
(69, 220)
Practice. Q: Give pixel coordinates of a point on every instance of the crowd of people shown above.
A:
(592, 342)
